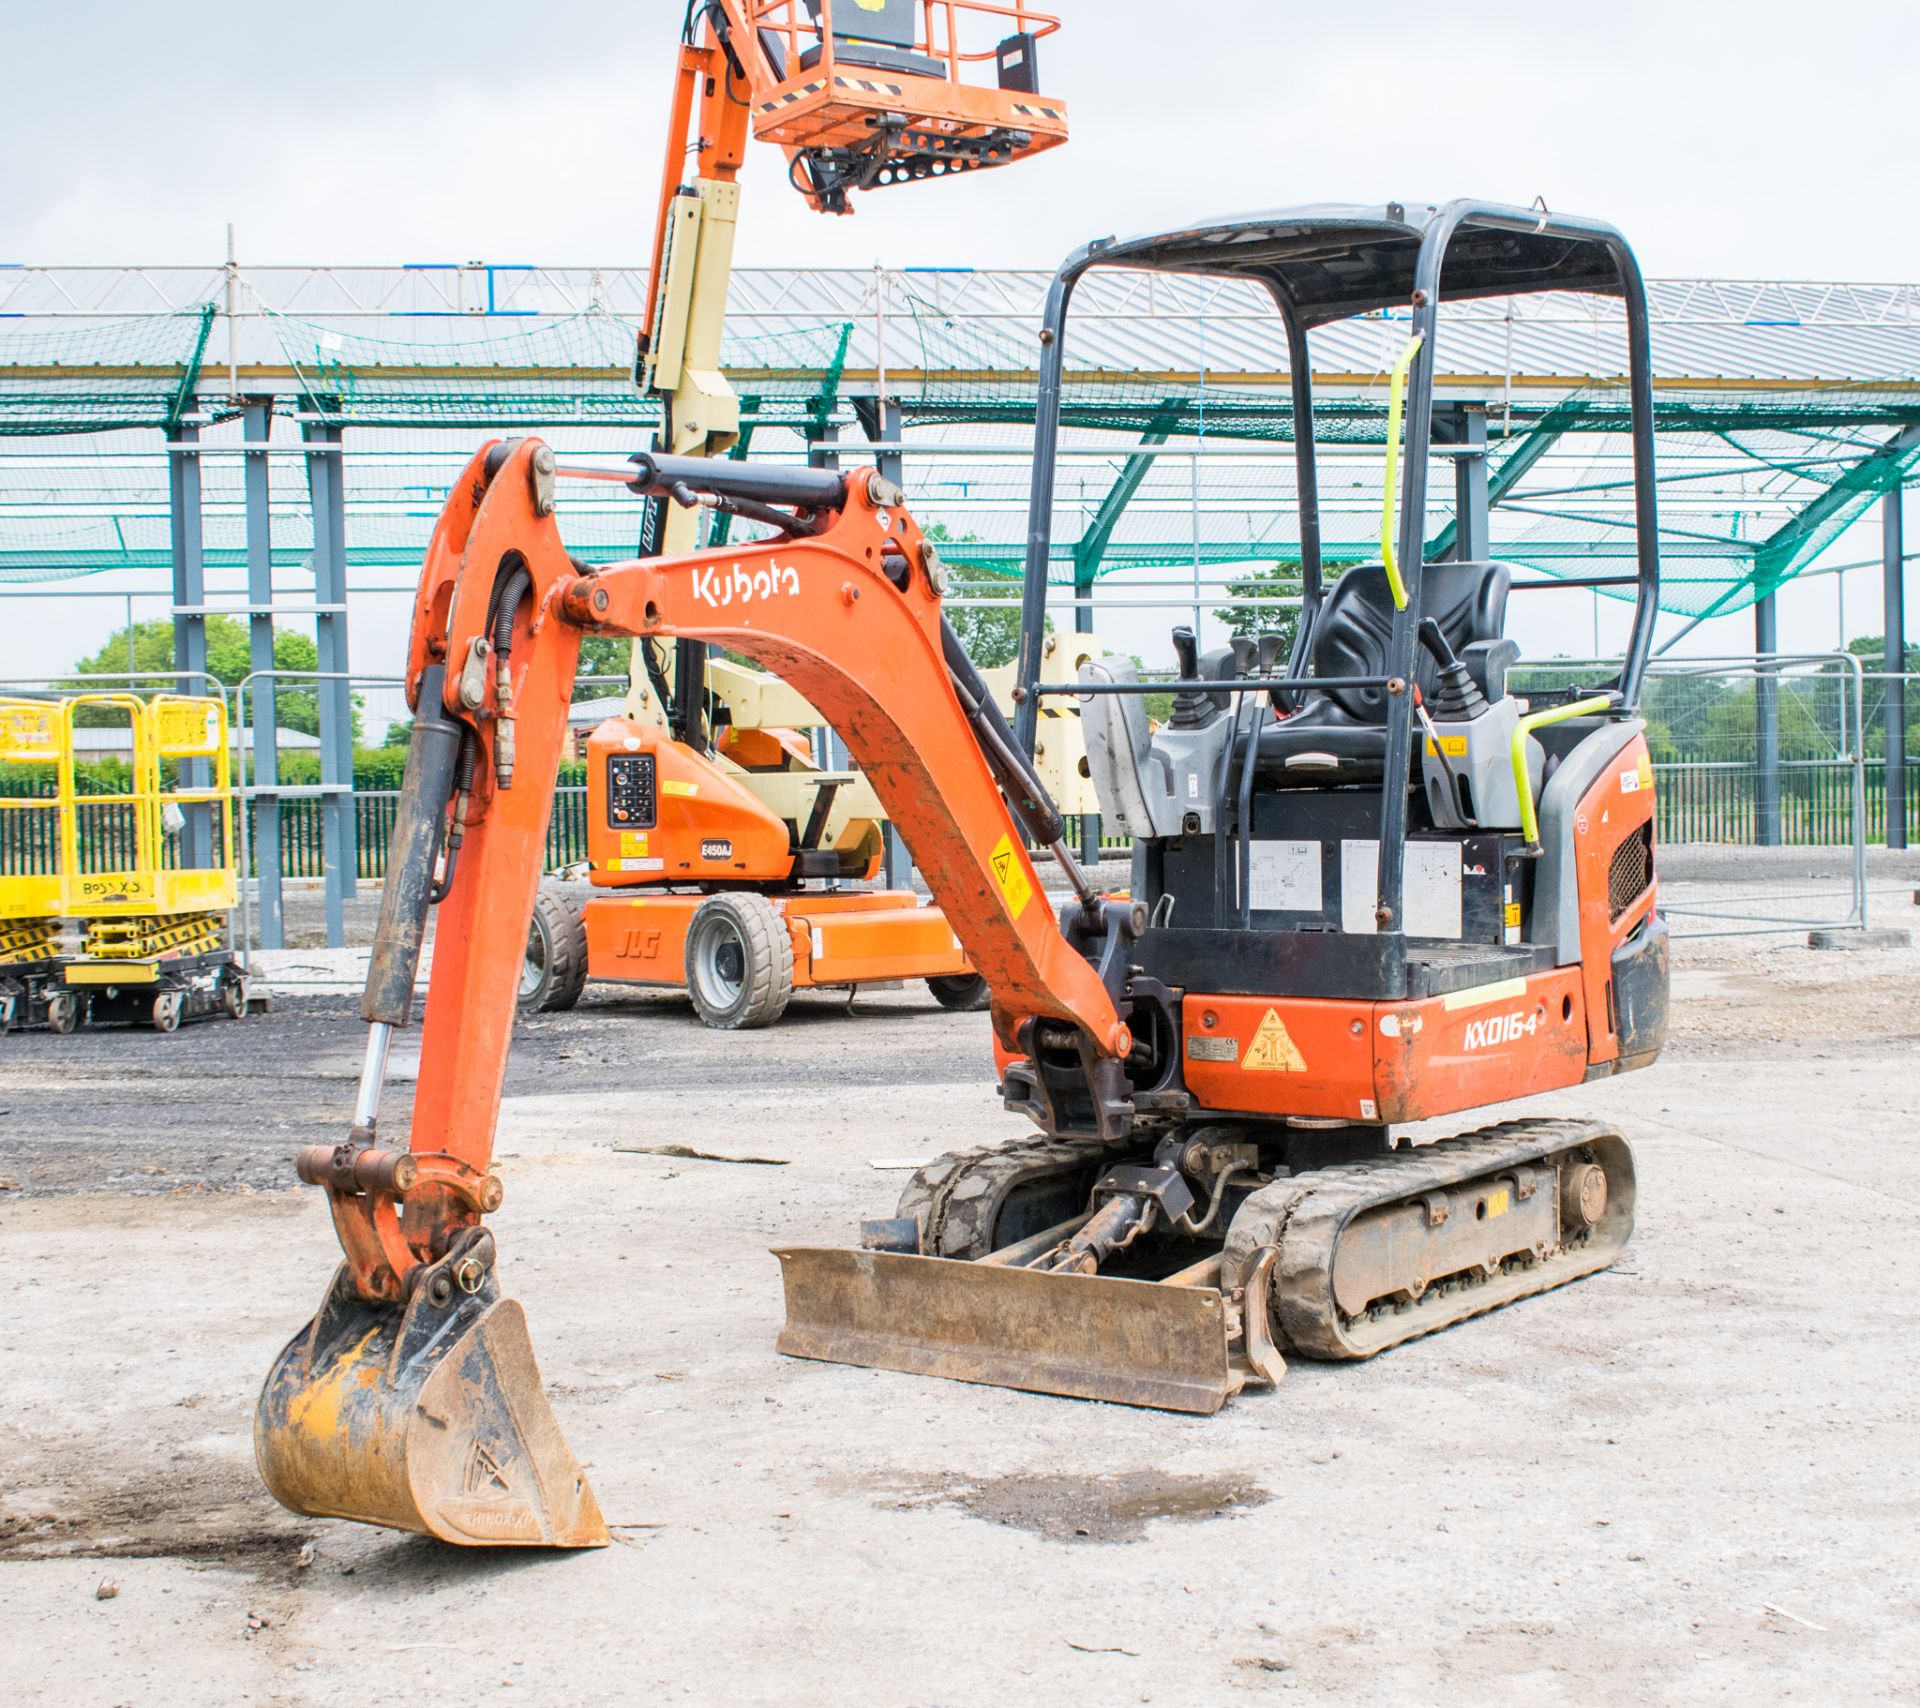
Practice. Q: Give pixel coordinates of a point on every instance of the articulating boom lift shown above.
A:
(717, 848)
(1232, 1036)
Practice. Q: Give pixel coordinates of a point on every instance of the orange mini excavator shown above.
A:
(1371, 886)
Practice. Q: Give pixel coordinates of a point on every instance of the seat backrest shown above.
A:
(896, 23)
(1467, 600)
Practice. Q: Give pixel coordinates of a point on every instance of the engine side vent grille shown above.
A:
(1631, 871)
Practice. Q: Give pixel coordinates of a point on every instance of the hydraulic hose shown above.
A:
(517, 583)
(419, 823)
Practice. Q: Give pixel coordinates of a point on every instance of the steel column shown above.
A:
(880, 420)
(326, 488)
(1893, 553)
(1466, 424)
(185, 520)
(1766, 724)
(256, 427)
(1514, 467)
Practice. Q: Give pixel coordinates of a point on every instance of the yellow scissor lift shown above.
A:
(32, 967)
(151, 924)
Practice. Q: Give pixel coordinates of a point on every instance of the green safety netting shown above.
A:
(97, 374)
(576, 370)
(1755, 483)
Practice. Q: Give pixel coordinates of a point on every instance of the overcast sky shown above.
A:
(1745, 138)
(1729, 138)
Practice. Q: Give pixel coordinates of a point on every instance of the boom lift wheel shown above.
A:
(739, 962)
(555, 972)
(964, 993)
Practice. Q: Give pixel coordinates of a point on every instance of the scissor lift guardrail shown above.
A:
(114, 864)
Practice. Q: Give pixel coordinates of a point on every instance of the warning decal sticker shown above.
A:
(1011, 876)
(1273, 1049)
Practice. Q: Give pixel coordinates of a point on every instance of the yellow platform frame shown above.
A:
(161, 727)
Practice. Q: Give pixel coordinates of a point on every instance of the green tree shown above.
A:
(602, 655)
(1270, 584)
(1871, 651)
(149, 647)
(990, 633)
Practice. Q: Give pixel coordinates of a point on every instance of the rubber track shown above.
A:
(1303, 1216)
(957, 1196)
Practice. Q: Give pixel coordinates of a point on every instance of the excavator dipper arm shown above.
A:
(412, 1398)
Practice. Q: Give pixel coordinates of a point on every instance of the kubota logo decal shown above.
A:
(1500, 1029)
(721, 588)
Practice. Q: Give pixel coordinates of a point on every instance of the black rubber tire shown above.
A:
(745, 929)
(555, 972)
(964, 993)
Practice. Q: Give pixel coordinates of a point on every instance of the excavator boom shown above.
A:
(412, 1399)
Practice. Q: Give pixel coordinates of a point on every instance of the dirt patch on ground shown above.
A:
(205, 1512)
(1084, 1509)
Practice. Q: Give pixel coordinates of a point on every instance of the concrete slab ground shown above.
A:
(1689, 1480)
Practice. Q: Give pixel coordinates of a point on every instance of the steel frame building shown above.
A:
(296, 419)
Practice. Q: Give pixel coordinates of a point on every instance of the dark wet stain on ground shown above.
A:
(1115, 1508)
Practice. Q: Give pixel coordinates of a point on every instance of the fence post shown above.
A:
(1857, 688)
(1766, 724)
(1893, 562)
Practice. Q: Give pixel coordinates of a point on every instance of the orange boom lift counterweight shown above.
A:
(1371, 885)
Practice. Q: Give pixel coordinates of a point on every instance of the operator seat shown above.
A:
(876, 34)
(1339, 735)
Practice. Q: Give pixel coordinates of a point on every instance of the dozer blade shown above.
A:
(1090, 1337)
(429, 1418)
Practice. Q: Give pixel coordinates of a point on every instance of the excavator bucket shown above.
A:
(429, 1418)
(1091, 1337)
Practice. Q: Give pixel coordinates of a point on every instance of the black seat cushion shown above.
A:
(1348, 725)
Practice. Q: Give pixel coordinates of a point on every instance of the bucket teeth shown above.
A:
(429, 1418)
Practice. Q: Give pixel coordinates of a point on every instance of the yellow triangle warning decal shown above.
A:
(1015, 887)
(1273, 1049)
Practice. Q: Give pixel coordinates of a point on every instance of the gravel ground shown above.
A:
(1689, 1480)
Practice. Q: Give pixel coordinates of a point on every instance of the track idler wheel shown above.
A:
(428, 1417)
